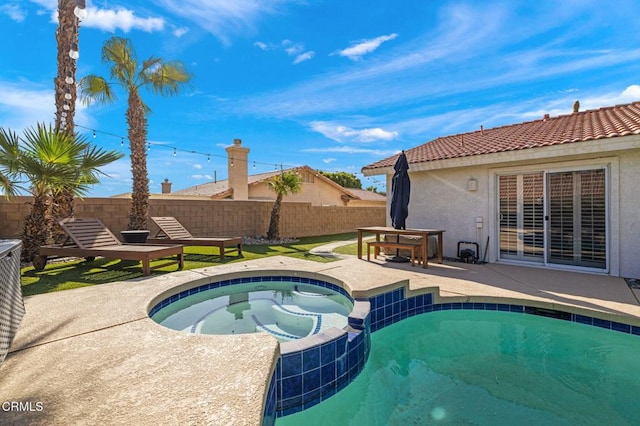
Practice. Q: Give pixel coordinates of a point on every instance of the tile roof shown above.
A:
(609, 122)
(221, 188)
(366, 195)
(213, 188)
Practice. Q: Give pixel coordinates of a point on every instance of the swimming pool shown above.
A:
(287, 310)
(489, 367)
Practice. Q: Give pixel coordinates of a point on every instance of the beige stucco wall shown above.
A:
(211, 217)
(318, 193)
(440, 199)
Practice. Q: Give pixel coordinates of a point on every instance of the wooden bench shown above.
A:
(397, 246)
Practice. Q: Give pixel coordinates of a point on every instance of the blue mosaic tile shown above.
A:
(328, 373)
(583, 319)
(329, 392)
(601, 323)
(311, 358)
(291, 364)
(388, 298)
(624, 328)
(291, 387)
(311, 381)
(328, 352)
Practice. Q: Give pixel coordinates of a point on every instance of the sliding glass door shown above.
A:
(554, 217)
(521, 212)
(577, 218)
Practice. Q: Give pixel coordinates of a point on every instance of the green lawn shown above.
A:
(81, 273)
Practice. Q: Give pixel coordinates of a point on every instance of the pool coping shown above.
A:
(80, 351)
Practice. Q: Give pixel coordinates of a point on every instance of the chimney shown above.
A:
(166, 186)
(237, 168)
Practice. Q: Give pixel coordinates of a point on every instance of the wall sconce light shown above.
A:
(472, 185)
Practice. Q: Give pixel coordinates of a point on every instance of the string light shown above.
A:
(74, 53)
(208, 155)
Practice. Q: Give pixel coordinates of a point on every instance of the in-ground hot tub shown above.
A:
(324, 333)
(285, 309)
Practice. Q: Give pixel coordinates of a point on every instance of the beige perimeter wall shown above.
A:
(211, 217)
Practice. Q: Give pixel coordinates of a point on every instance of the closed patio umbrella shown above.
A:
(400, 189)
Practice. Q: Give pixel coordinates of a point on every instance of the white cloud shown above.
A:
(631, 93)
(352, 150)
(224, 18)
(363, 47)
(328, 160)
(304, 57)
(13, 11)
(292, 48)
(262, 45)
(343, 133)
(197, 166)
(120, 18)
(23, 104)
(179, 32)
(202, 177)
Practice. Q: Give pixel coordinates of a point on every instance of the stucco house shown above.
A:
(316, 188)
(558, 192)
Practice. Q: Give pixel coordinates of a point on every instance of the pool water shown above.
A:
(286, 310)
(469, 367)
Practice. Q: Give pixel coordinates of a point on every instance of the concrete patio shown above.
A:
(92, 356)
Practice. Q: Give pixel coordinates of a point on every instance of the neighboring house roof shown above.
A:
(366, 195)
(609, 122)
(220, 189)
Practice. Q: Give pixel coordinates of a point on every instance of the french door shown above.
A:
(554, 217)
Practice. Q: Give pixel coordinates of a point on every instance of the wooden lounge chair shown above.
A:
(89, 238)
(172, 231)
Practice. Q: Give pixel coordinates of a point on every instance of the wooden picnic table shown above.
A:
(424, 233)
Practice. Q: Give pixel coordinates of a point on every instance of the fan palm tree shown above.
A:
(285, 183)
(9, 156)
(155, 74)
(51, 160)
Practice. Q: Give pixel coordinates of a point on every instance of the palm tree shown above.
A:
(51, 160)
(282, 184)
(9, 155)
(155, 74)
(69, 12)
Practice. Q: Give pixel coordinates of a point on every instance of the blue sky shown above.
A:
(332, 84)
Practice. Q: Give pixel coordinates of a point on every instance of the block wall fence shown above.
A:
(210, 217)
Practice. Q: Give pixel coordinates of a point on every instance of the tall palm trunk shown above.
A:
(137, 123)
(66, 38)
(36, 227)
(274, 224)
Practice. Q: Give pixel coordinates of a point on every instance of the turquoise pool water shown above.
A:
(284, 309)
(464, 367)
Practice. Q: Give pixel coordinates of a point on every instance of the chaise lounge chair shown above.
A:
(89, 238)
(172, 231)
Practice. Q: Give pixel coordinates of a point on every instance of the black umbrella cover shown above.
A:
(400, 189)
